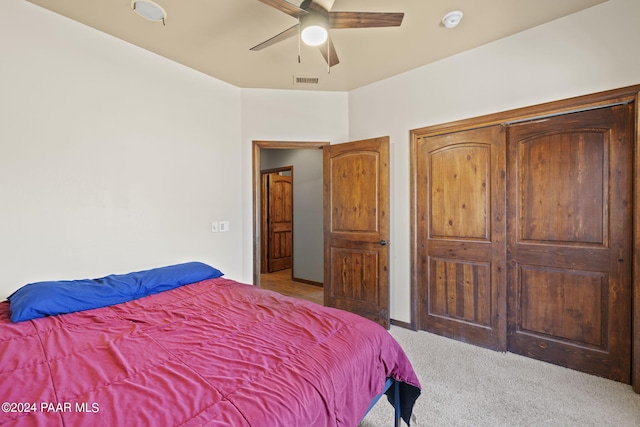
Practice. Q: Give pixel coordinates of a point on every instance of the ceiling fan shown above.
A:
(315, 19)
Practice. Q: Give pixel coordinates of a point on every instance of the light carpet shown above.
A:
(465, 385)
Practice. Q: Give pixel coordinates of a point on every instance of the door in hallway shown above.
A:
(277, 221)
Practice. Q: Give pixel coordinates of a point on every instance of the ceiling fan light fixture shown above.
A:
(314, 29)
(314, 35)
(149, 10)
(452, 19)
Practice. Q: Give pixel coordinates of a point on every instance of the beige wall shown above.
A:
(112, 159)
(586, 52)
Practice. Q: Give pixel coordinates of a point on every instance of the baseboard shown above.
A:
(308, 282)
(404, 325)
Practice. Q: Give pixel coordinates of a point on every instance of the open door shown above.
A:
(356, 228)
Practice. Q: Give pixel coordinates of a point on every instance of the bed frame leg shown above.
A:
(396, 403)
(395, 400)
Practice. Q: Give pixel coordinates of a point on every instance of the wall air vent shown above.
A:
(305, 80)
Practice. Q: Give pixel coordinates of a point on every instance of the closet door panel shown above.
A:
(569, 188)
(461, 275)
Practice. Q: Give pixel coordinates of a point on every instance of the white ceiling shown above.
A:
(214, 36)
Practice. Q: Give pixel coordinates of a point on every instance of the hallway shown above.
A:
(281, 282)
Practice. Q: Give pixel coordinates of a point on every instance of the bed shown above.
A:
(198, 350)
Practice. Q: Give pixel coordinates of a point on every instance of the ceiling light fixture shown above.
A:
(149, 10)
(314, 29)
(452, 19)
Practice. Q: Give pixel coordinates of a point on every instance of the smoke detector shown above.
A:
(452, 19)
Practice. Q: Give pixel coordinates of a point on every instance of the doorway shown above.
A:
(353, 222)
(302, 273)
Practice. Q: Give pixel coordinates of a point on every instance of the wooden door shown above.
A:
(460, 225)
(356, 227)
(278, 211)
(570, 223)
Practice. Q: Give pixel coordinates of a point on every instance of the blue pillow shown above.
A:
(58, 297)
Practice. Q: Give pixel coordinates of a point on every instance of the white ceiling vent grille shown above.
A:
(305, 80)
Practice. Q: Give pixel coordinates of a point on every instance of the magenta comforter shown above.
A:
(215, 352)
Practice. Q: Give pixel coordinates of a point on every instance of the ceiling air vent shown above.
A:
(305, 80)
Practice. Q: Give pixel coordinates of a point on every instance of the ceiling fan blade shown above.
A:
(288, 33)
(364, 19)
(332, 56)
(286, 7)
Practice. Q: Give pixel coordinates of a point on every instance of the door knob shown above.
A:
(383, 242)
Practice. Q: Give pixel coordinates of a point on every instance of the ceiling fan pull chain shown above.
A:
(328, 56)
(299, 39)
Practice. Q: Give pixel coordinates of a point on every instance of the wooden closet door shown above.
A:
(570, 201)
(460, 229)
